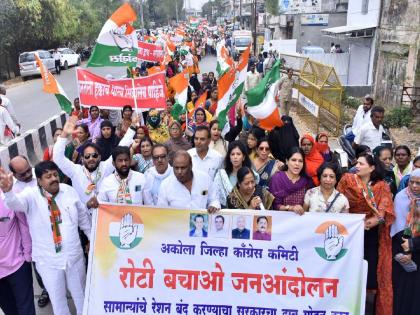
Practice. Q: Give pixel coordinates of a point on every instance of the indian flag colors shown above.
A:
(116, 44)
(224, 61)
(262, 100)
(230, 87)
(52, 86)
(180, 85)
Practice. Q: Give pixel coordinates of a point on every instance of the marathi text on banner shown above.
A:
(150, 52)
(150, 91)
(171, 261)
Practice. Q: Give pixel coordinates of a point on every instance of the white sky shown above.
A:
(196, 4)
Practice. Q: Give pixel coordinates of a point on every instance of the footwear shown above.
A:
(44, 299)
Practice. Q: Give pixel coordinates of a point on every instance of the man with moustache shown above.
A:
(87, 178)
(54, 212)
(156, 174)
(124, 186)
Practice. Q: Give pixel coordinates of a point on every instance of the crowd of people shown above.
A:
(143, 158)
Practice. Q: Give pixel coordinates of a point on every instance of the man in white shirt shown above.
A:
(371, 132)
(124, 186)
(188, 188)
(362, 117)
(205, 159)
(56, 56)
(252, 78)
(219, 229)
(23, 173)
(86, 179)
(8, 104)
(8, 128)
(156, 174)
(54, 212)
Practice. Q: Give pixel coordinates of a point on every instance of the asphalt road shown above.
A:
(33, 106)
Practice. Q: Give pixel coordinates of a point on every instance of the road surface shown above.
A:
(33, 106)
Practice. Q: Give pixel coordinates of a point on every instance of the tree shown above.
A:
(272, 7)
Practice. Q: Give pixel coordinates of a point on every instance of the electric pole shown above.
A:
(176, 10)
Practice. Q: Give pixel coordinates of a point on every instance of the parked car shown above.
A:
(68, 58)
(29, 67)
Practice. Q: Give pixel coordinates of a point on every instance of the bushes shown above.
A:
(398, 117)
(352, 102)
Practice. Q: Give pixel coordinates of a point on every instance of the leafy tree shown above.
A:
(272, 7)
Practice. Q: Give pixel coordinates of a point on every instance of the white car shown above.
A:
(68, 58)
(29, 67)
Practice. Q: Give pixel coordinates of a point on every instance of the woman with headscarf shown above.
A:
(158, 131)
(313, 158)
(177, 141)
(282, 139)
(321, 141)
(108, 140)
(405, 233)
(93, 122)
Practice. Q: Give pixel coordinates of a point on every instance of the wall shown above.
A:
(33, 142)
(398, 52)
(355, 16)
(312, 33)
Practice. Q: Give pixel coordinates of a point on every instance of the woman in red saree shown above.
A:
(369, 194)
(313, 158)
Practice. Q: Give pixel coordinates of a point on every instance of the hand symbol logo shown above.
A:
(333, 242)
(128, 231)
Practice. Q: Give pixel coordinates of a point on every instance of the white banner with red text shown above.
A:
(166, 261)
(150, 91)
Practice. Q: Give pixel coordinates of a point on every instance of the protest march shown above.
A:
(174, 191)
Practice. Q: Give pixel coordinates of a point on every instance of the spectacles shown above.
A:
(159, 157)
(93, 155)
(264, 148)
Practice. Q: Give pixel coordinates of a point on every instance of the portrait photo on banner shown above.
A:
(220, 225)
(199, 225)
(262, 228)
(241, 226)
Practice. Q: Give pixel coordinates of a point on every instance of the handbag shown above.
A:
(332, 202)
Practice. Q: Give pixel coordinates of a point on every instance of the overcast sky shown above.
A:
(196, 4)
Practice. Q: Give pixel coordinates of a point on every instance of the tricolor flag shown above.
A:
(224, 61)
(230, 87)
(262, 100)
(180, 85)
(116, 44)
(200, 102)
(52, 86)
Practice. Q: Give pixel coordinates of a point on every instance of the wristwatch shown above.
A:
(133, 128)
(381, 220)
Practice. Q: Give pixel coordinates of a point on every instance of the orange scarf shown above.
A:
(313, 160)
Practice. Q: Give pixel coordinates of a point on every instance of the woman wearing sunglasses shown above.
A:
(264, 163)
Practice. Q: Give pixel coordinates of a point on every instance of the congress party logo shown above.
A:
(127, 233)
(333, 240)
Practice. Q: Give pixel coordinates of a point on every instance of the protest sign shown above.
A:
(150, 91)
(150, 52)
(166, 261)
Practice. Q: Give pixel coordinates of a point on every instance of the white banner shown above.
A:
(309, 105)
(166, 261)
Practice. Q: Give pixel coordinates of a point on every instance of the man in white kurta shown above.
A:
(87, 178)
(188, 188)
(6, 124)
(203, 158)
(124, 185)
(59, 262)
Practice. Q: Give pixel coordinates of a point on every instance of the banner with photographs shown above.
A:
(167, 261)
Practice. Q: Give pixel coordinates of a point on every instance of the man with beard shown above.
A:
(86, 179)
(54, 212)
(124, 186)
(156, 174)
(23, 172)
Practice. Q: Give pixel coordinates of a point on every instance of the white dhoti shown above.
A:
(57, 281)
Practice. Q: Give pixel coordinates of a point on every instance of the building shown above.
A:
(398, 62)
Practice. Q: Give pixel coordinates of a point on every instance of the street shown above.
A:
(33, 106)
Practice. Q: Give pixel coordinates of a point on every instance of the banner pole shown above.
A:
(134, 94)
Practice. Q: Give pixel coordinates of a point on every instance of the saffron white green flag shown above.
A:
(180, 85)
(52, 86)
(224, 61)
(230, 87)
(262, 103)
(117, 43)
